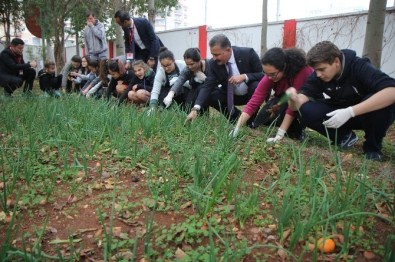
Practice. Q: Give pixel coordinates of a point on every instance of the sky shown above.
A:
(224, 13)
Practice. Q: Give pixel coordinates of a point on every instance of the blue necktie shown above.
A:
(230, 90)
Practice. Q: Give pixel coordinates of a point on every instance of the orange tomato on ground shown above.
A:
(326, 245)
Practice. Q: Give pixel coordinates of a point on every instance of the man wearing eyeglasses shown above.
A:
(232, 79)
(13, 69)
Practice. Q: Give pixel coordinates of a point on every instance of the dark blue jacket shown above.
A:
(358, 79)
(147, 35)
(247, 61)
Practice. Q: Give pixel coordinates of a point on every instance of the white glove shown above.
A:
(151, 111)
(280, 135)
(235, 131)
(168, 99)
(200, 77)
(173, 80)
(339, 117)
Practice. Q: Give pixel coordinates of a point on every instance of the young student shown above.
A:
(100, 84)
(67, 80)
(140, 88)
(82, 75)
(283, 69)
(165, 77)
(120, 79)
(92, 77)
(49, 83)
(195, 73)
(361, 97)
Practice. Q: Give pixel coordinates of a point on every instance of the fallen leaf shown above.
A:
(99, 233)
(1, 185)
(282, 254)
(83, 230)
(125, 255)
(285, 235)
(105, 175)
(140, 232)
(64, 241)
(10, 202)
(51, 230)
(57, 206)
(254, 230)
(369, 255)
(116, 231)
(339, 238)
(347, 157)
(186, 205)
(71, 199)
(180, 254)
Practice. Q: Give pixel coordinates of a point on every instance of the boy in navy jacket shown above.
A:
(358, 97)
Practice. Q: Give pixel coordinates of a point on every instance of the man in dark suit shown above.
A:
(234, 74)
(141, 42)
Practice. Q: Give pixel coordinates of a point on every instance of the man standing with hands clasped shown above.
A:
(95, 38)
(234, 73)
(13, 69)
(361, 97)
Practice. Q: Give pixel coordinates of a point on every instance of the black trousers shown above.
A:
(218, 100)
(267, 118)
(12, 82)
(375, 124)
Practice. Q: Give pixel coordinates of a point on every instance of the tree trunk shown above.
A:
(77, 45)
(119, 40)
(374, 31)
(59, 43)
(264, 27)
(49, 50)
(151, 12)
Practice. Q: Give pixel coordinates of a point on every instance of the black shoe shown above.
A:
(374, 156)
(301, 136)
(348, 141)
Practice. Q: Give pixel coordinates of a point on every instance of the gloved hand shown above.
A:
(173, 80)
(152, 104)
(150, 112)
(339, 117)
(168, 99)
(200, 77)
(235, 131)
(280, 135)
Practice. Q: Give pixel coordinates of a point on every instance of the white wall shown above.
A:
(346, 31)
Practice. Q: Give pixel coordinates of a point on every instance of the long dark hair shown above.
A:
(290, 61)
(193, 53)
(165, 53)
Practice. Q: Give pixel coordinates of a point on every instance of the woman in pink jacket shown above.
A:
(283, 68)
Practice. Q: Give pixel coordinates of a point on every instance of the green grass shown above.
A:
(311, 191)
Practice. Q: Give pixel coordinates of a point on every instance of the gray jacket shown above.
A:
(95, 40)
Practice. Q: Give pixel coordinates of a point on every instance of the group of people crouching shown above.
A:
(331, 91)
(133, 82)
